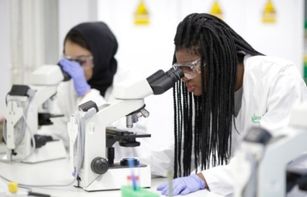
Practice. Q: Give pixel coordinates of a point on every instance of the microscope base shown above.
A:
(115, 178)
(50, 151)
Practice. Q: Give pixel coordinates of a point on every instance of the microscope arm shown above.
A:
(24, 103)
(91, 142)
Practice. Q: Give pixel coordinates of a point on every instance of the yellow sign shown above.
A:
(216, 9)
(269, 13)
(141, 14)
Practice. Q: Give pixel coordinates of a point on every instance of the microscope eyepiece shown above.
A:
(66, 76)
(175, 74)
(161, 81)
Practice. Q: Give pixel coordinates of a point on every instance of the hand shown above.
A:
(183, 185)
(76, 72)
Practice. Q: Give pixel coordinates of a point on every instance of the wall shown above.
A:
(72, 12)
(155, 42)
(143, 50)
(285, 38)
(24, 35)
(31, 35)
(5, 54)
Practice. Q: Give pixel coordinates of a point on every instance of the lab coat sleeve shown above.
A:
(287, 90)
(92, 95)
(160, 159)
(67, 103)
(220, 180)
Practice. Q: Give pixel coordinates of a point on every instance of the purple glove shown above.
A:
(76, 72)
(183, 185)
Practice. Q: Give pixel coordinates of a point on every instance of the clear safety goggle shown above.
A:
(189, 69)
(82, 59)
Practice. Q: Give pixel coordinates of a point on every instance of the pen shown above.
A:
(170, 182)
(38, 194)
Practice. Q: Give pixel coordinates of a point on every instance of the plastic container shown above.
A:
(128, 191)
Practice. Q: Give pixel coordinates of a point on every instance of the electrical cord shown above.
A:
(78, 148)
(28, 187)
(32, 148)
(79, 145)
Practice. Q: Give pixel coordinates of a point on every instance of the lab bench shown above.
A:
(55, 173)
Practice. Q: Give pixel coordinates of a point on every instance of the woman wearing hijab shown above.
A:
(89, 60)
(89, 50)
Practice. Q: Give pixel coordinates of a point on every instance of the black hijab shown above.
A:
(102, 43)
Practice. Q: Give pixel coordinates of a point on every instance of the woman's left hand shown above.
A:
(183, 185)
(73, 69)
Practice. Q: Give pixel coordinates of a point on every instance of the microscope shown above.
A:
(92, 136)
(260, 164)
(28, 108)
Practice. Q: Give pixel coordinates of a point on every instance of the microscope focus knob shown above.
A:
(99, 165)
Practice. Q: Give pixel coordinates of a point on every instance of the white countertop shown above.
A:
(58, 173)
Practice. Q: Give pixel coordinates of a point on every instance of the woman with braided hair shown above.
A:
(228, 87)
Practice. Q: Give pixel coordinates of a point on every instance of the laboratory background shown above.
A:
(33, 31)
(32, 34)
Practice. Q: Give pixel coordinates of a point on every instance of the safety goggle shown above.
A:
(189, 69)
(80, 59)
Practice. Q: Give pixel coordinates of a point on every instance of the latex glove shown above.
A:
(77, 74)
(183, 185)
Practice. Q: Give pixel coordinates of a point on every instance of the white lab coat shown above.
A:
(271, 87)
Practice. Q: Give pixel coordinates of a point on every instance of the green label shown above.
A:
(255, 119)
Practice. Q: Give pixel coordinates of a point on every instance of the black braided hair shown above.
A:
(203, 123)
